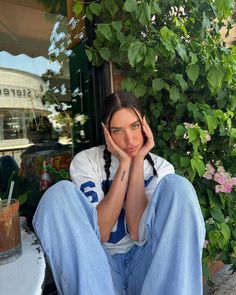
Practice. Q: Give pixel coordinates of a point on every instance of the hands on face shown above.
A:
(112, 147)
(120, 154)
(149, 140)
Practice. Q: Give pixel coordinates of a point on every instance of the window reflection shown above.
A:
(26, 74)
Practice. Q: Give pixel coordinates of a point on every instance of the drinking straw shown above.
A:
(10, 193)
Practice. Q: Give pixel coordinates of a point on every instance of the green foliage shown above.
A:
(172, 56)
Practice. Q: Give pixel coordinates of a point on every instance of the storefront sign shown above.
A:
(20, 92)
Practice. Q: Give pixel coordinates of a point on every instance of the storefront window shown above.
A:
(14, 125)
(33, 63)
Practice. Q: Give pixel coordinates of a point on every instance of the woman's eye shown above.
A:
(117, 131)
(135, 126)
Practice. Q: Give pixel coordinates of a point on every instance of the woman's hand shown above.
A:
(112, 147)
(149, 140)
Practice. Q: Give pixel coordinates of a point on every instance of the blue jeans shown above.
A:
(169, 263)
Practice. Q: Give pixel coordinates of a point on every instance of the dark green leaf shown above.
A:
(95, 8)
(157, 85)
(215, 76)
(117, 25)
(174, 93)
(185, 162)
(144, 13)
(105, 30)
(139, 91)
(193, 72)
(217, 214)
(136, 52)
(180, 131)
(105, 53)
(212, 123)
(130, 5)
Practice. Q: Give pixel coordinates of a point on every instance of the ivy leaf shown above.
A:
(233, 152)
(233, 133)
(105, 30)
(117, 25)
(105, 53)
(144, 13)
(77, 8)
(150, 59)
(129, 84)
(155, 8)
(22, 198)
(95, 8)
(214, 236)
(212, 123)
(130, 5)
(193, 72)
(174, 94)
(157, 85)
(224, 7)
(179, 131)
(168, 38)
(185, 162)
(89, 54)
(182, 82)
(225, 230)
(136, 52)
(215, 76)
(111, 6)
(140, 90)
(194, 58)
(192, 134)
(205, 22)
(217, 214)
(198, 165)
(182, 52)
(121, 37)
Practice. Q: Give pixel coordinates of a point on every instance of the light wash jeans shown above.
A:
(168, 264)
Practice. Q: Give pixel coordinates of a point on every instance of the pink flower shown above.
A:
(233, 181)
(208, 175)
(220, 178)
(226, 188)
(188, 125)
(210, 168)
(208, 137)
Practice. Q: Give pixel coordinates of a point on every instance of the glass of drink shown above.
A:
(10, 233)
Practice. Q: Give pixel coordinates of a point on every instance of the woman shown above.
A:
(126, 224)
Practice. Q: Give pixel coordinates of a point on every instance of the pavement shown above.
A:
(224, 283)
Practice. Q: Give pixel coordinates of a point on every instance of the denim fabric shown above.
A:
(169, 263)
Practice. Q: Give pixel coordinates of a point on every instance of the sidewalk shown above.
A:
(224, 283)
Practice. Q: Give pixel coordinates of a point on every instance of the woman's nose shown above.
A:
(128, 137)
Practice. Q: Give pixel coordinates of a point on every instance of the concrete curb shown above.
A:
(224, 283)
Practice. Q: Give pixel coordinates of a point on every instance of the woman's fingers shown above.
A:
(147, 130)
(111, 146)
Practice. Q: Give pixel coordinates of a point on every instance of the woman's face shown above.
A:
(126, 131)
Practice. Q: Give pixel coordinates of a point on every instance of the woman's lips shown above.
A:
(132, 149)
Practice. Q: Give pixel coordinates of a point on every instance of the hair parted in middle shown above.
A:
(113, 103)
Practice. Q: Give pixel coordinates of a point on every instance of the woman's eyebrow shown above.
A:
(118, 128)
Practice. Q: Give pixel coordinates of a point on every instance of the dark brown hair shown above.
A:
(112, 103)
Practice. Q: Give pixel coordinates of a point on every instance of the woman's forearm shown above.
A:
(109, 208)
(136, 200)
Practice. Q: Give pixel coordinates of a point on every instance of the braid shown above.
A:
(107, 158)
(150, 160)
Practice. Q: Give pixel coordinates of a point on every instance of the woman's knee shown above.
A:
(59, 196)
(175, 188)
